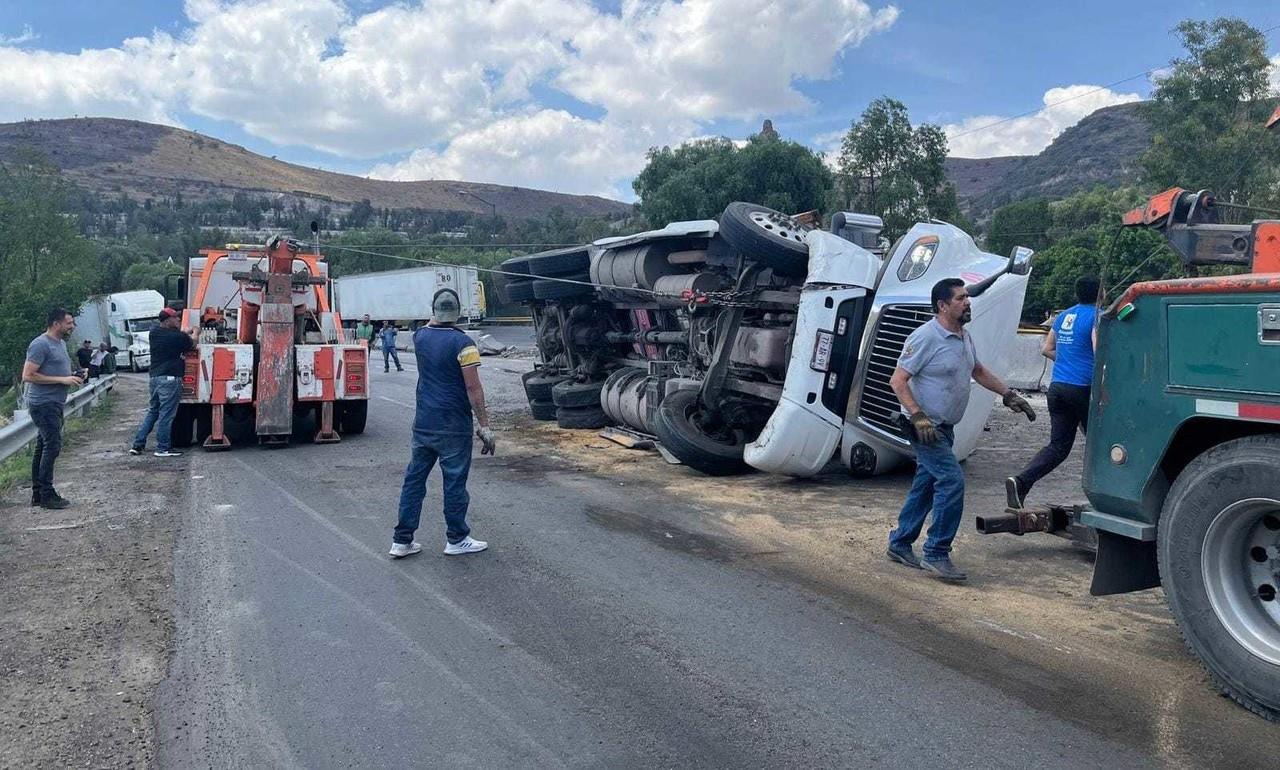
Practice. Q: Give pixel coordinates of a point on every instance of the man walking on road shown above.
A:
(449, 392)
(1070, 345)
(932, 382)
(388, 335)
(168, 343)
(47, 373)
(364, 332)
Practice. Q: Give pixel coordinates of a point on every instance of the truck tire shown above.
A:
(676, 423)
(559, 263)
(352, 416)
(182, 435)
(560, 290)
(542, 410)
(518, 291)
(574, 395)
(515, 265)
(582, 418)
(538, 386)
(766, 236)
(1219, 533)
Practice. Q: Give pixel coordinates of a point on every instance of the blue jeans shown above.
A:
(938, 485)
(388, 353)
(454, 454)
(166, 392)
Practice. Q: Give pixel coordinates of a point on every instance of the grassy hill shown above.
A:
(110, 156)
(1103, 148)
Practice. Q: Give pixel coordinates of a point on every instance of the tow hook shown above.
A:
(1037, 518)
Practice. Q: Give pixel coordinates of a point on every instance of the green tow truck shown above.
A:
(1182, 457)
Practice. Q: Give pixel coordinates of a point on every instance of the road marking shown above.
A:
(401, 403)
(1029, 636)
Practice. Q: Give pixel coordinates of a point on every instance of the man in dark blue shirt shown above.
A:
(449, 393)
(1070, 345)
(388, 337)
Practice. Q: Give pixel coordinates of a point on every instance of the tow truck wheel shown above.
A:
(1219, 551)
(352, 415)
(766, 236)
(680, 427)
(184, 423)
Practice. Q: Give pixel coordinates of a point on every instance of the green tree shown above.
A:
(1208, 114)
(149, 275)
(43, 259)
(895, 171)
(1025, 223)
(698, 179)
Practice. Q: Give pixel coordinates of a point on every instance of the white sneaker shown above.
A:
(465, 545)
(170, 453)
(401, 550)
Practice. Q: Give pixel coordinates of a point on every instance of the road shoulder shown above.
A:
(86, 617)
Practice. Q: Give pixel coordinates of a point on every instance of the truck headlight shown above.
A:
(918, 258)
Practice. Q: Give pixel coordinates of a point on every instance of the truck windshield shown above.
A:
(141, 324)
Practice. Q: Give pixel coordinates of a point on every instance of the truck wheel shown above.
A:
(678, 425)
(351, 417)
(542, 410)
(1219, 551)
(184, 424)
(766, 236)
(557, 263)
(582, 418)
(573, 395)
(538, 386)
(561, 290)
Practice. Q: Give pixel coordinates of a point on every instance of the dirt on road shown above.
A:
(1024, 622)
(86, 614)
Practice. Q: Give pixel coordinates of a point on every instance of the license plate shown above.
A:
(822, 351)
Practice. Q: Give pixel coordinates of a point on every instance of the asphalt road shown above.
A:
(589, 634)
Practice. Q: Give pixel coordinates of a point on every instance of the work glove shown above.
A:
(1014, 400)
(487, 438)
(926, 432)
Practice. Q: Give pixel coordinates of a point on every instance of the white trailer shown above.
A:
(404, 296)
(123, 320)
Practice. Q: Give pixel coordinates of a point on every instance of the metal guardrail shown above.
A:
(15, 436)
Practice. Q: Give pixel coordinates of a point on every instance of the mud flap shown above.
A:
(1123, 565)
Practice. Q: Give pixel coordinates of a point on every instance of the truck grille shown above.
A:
(878, 405)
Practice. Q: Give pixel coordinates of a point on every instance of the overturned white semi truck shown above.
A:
(756, 341)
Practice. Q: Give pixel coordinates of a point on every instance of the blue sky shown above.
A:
(564, 95)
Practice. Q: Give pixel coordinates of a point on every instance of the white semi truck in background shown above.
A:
(404, 296)
(123, 320)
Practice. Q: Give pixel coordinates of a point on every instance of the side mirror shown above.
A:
(1020, 260)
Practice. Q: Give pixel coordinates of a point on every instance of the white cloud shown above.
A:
(442, 78)
(27, 35)
(986, 136)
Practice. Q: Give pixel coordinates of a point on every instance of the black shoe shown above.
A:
(944, 569)
(387, 369)
(55, 501)
(1014, 494)
(904, 556)
(35, 497)
(399, 369)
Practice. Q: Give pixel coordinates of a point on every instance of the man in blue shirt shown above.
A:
(1070, 345)
(388, 335)
(449, 393)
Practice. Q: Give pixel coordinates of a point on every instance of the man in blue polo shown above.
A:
(1069, 344)
(932, 382)
(449, 394)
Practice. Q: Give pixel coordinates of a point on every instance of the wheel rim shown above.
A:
(1240, 562)
(778, 225)
(723, 436)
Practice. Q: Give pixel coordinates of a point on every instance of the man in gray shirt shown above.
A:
(932, 382)
(47, 373)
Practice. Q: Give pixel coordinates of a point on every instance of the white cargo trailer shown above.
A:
(123, 320)
(404, 296)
